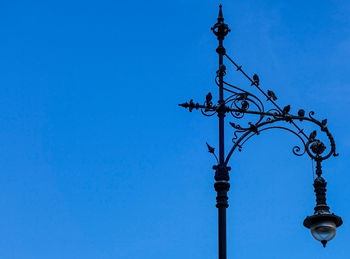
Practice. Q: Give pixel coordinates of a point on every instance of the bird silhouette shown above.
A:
(272, 95)
(208, 99)
(286, 109)
(301, 113)
(256, 79)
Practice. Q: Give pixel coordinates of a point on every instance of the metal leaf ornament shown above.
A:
(212, 151)
(191, 105)
(210, 148)
(254, 128)
(313, 135)
(235, 126)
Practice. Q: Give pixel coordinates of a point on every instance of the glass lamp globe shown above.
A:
(324, 231)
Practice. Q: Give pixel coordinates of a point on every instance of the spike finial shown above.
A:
(220, 29)
(220, 16)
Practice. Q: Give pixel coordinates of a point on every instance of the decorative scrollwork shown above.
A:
(207, 113)
(241, 103)
(311, 113)
(297, 150)
(247, 134)
(310, 145)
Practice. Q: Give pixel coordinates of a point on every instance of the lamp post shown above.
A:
(322, 223)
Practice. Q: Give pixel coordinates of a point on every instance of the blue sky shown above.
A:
(98, 161)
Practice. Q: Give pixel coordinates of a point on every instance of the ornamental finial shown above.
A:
(220, 16)
(220, 29)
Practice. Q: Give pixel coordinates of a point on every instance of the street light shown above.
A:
(323, 224)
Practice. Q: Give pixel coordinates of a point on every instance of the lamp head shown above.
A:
(323, 226)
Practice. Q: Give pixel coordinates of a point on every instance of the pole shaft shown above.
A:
(222, 233)
(221, 185)
(221, 115)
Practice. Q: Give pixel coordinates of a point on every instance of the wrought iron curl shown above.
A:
(297, 150)
(240, 92)
(241, 101)
(311, 113)
(208, 113)
(312, 146)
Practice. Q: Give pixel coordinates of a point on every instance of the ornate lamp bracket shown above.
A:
(259, 114)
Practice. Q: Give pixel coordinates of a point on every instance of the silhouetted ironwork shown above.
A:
(240, 103)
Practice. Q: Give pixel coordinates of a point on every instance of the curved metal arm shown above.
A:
(240, 103)
(312, 146)
(242, 100)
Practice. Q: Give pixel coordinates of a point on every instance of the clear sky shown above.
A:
(98, 161)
